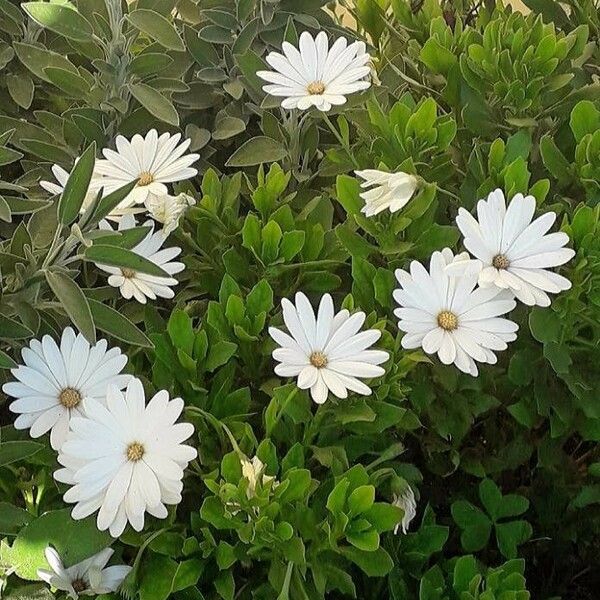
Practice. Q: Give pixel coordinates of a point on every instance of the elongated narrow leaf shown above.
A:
(111, 201)
(12, 329)
(122, 258)
(128, 238)
(11, 452)
(155, 103)
(77, 186)
(260, 149)
(74, 302)
(6, 362)
(61, 19)
(111, 321)
(157, 27)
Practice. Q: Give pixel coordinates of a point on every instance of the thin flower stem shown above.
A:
(280, 412)
(341, 140)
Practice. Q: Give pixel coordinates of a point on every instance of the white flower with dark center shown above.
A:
(126, 458)
(516, 253)
(254, 471)
(406, 501)
(54, 381)
(326, 353)
(168, 209)
(316, 75)
(90, 577)
(155, 161)
(389, 191)
(444, 313)
(134, 284)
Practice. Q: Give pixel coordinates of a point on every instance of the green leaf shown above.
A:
(108, 203)
(74, 303)
(73, 195)
(70, 83)
(155, 103)
(228, 127)
(123, 258)
(510, 535)
(157, 577)
(219, 353)
(6, 362)
(260, 149)
(545, 325)
(13, 330)
(38, 59)
(157, 27)
(375, 564)
(73, 540)
(111, 321)
(11, 452)
(21, 89)
(61, 19)
(12, 518)
(361, 499)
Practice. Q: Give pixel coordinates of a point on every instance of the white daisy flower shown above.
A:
(326, 353)
(90, 577)
(390, 191)
(444, 313)
(62, 176)
(316, 75)
(168, 209)
(126, 458)
(406, 501)
(141, 286)
(54, 381)
(154, 160)
(515, 253)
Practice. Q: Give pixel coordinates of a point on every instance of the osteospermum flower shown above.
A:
(62, 176)
(326, 353)
(254, 471)
(134, 284)
(126, 458)
(54, 381)
(316, 75)
(390, 191)
(154, 160)
(515, 253)
(447, 316)
(168, 209)
(406, 501)
(90, 577)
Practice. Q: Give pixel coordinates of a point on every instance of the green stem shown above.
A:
(281, 411)
(341, 140)
(285, 588)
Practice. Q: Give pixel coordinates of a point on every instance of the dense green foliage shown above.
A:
(467, 96)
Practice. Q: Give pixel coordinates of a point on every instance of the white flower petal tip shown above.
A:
(54, 381)
(88, 578)
(153, 160)
(326, 352)
(315, 74)
(142, 286)
(515, 251)
(447, 315)
(407, 502)
(168, 210)
(389, 191)
(126, 458)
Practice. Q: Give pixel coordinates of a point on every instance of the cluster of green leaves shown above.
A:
(468, 97)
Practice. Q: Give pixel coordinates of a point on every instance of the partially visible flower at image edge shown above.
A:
(515, 253)
(54, 381)
(326, 352)
(90, 577)
(389, 191)
(316, 75)
(126, 458)
(141, 286)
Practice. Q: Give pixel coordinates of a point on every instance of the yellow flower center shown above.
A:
(447, 320)
(128, 273)
(316, 88)
(318, 359)
(500, 261)
(145, 178)
(135, 451)
(69, 397)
